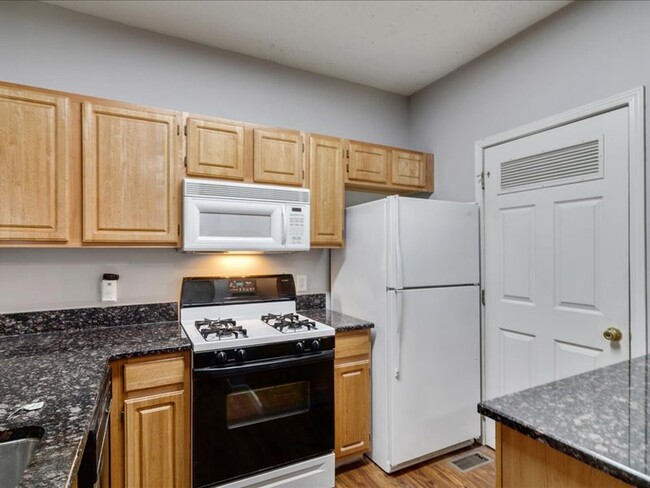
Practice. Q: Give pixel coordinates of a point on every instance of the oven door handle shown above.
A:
(264, 365)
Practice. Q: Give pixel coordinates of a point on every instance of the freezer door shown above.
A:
(432, 243)
(434, 371)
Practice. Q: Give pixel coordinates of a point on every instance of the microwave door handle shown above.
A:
(284, 225)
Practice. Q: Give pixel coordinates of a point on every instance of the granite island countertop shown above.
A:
(340, 322)
(601, 418)
(65, 369)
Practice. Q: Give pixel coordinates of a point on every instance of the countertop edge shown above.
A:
(356, 323)
(596, 461)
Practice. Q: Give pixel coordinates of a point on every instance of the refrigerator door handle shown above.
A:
(399, 295)
(399, 278)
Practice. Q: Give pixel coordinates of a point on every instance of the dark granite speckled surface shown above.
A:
(308, 302)
(83, 318)
(66, 371)
(601, 418)
(337, 320)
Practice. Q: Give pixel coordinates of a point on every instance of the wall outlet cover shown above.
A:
(301, 283)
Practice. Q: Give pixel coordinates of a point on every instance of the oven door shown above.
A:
(220, 225)
(263, 415)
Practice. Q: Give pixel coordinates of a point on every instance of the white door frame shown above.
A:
(634, 101)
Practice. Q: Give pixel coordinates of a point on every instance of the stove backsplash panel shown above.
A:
(310, 302)
(83, 318)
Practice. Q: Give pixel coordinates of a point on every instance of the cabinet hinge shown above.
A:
(303, 147)
(185, 130)
(347, 168)
(178, 130)
(178, 229)
(185, 161)
(348, 152)
(483, 297)
(122, 414)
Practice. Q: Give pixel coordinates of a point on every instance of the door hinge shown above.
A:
(481, 177)
(483, 297)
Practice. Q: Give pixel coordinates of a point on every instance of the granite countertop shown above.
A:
(65, 369)
(601, 418)
(339, 321)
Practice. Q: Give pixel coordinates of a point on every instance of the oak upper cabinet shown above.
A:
(34, 166)
(150, 438)
(327, 196)
(278, 157)
(131, 175)
(352, 393)
(215, 149)
(367, 163)
(408, 169)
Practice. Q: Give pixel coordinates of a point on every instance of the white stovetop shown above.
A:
(248, 317)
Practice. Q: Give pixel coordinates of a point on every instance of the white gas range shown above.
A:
(263, 385)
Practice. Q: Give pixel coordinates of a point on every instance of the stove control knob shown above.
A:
(300, 346)
(221, 357)
(240, 354)
(315, 345)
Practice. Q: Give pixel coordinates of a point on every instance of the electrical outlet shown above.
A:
(109, 290)
(301, 283)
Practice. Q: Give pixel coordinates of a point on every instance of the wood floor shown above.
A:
(437, 473)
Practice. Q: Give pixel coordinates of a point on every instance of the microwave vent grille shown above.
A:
(245, 192)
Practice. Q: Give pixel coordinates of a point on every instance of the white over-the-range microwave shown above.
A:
(220, 216)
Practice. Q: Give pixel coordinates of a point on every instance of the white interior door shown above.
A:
(557, 254)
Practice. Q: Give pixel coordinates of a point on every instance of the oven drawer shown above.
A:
(152, 374)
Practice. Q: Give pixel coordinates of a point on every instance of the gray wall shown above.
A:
(585, 52)
(47, 46)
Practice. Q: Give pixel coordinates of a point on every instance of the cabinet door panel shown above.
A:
(352, 405)
(130, 175)
(155, 440)
(34, 166)
(408, 169)
(368, 163)
(327, 193)
(215, 149)
(278, 157)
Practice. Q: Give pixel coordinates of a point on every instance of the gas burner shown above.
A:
(220, 328)
(290, 321)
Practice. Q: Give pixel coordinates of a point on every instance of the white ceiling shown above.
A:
(398, 46)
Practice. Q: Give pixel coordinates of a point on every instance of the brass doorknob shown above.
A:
(613, 334)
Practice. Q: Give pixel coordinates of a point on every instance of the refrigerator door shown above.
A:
(434, 369)
(431, 243)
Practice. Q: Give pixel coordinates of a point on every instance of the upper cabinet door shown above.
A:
(327, 199)
(367, 163)
(215, 149)
(278, 157)
(130, 177)
(33, 166)
(408, 169)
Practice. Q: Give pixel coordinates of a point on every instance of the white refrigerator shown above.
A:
(411, 266)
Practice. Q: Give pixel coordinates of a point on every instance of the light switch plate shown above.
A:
(301, 283)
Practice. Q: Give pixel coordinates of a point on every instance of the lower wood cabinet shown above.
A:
(150, 422)
(352, 394)
(522, 461)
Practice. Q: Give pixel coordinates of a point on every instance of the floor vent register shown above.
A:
(468, 462)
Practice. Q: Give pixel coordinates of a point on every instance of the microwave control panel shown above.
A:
(298, 227)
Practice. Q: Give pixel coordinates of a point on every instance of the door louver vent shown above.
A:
(571, 164)
(246, 192)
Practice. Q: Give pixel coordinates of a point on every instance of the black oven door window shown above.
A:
(256, 417)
